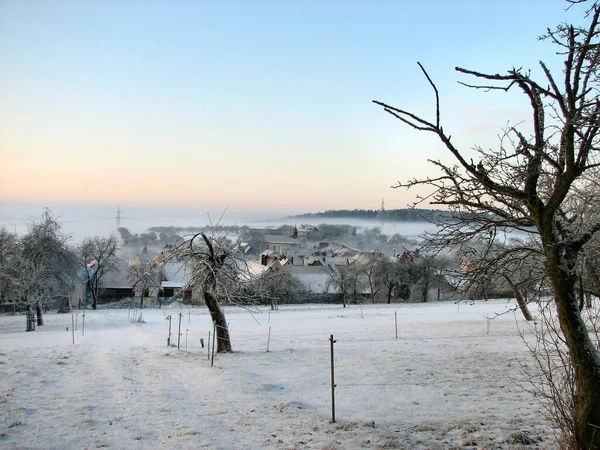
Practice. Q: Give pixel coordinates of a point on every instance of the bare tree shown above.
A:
(47, 264)
(272, 287)
(35, 286)
(526, 184)
(497, 267)
(590, 272)
(347, 279)
(588, 265)
(426, 270)
(397, 275)
(144, 277)
(367, 265)
(97, 256)
(9, 255)
(215, 271)
(388, 273)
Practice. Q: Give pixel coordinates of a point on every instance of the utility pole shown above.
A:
(381, 213)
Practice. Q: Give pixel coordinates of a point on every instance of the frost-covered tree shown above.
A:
(215, 271)
(368, 265)
(347, 280)
(97, 256)
(528, 182)
(515, 266)
(396, 275)
(587, 201)
(145, 277)
(46, 265)
(9, 256)
(275, 287)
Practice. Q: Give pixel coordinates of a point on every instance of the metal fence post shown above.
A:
(331, 341)
(179, 331)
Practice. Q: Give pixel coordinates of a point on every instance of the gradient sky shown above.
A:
(251, 105)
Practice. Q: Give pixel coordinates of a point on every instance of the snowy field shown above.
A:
(445, 382)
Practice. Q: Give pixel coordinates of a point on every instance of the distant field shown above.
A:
(445, 382)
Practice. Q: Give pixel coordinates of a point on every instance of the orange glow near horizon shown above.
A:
(241, 113)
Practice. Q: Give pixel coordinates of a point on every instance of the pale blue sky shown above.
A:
(251, 105)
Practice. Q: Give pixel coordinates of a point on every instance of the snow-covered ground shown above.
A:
(445, 382)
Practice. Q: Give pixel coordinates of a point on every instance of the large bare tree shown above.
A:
(215, 271)
(527, 184)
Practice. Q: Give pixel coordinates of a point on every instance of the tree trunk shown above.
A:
(389, 293)
(142, 300)
(218, 317)
(30, 322)
(584, 357)
(39, 313)
(425, 292)
(94, 291)
(520, 300)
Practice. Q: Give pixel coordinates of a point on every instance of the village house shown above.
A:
(115, 286)
(314, 279)
(175, 282)
(305, 230)
(281, 244)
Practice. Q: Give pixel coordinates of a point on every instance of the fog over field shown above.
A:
(80, 221)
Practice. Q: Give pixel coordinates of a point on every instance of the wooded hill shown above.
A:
(399, 215)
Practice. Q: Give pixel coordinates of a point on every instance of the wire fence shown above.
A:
(192, 331)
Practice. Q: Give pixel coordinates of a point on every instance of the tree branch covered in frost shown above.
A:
(537, 181)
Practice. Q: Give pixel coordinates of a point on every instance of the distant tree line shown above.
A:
(155, 235)
(399, 215)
